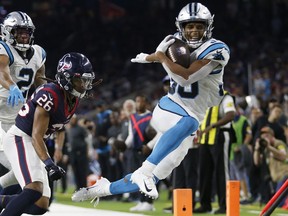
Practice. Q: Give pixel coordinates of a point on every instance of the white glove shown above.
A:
(163, 46)
(140, 58)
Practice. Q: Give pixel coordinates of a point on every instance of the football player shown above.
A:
(178, 114)
(21, 66)
(50, 107)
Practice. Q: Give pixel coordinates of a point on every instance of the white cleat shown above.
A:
(135, 208)
(145, 183)
(143, 206)
(94, 192)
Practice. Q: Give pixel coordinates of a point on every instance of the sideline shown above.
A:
(57, 209)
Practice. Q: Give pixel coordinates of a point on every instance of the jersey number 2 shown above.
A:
(24, 73)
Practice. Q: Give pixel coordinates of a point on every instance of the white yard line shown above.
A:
(63, 210)
(258, 213)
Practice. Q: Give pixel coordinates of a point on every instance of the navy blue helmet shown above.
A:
(75, 74)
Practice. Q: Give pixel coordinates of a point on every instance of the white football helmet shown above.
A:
(195, 12)
(14, 21)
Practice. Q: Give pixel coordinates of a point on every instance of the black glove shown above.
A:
(54, 172)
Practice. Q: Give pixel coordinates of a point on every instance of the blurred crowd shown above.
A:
(111, 32)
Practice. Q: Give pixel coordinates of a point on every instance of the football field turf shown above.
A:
(57, 209)
(120, 208)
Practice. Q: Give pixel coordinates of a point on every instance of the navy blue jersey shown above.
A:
(51, 98)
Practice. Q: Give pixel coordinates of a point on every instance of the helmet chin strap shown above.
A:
(22, 47)
(195, 44)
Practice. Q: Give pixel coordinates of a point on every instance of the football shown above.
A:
(179, 53)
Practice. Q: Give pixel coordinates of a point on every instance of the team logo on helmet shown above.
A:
(64, 65)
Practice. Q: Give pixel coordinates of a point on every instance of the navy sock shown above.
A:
(35, 210)
(123, 185)
(5, 199)
(11, 190)
(20, 202)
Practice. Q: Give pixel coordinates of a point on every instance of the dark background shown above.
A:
(111, 32)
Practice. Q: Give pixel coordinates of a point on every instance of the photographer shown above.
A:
(274, 152)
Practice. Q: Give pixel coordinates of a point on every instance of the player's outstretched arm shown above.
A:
(141, 58)
(6, 81)
(146, 58)
(40, 126)
(5, 77)
(59, 142)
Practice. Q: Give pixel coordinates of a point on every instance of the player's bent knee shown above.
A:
(37, 186)
(190, 124)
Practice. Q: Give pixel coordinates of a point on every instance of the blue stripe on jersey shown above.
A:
(216, 72)
(43, 54)
(211, 48)
(22, 159)
(167, 104)
(10, 55)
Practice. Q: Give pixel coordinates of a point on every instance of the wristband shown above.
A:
(48, 161)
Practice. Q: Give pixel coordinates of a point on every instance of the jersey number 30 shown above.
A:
(192, 93)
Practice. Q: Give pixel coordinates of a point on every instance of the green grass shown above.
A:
(162, 202)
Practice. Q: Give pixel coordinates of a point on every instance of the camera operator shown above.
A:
(272, 151)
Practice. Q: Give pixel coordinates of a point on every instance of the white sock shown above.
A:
(8, 179)
(147, 168)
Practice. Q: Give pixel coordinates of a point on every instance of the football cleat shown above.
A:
(143, 206)
(145, 183)
(94, 192)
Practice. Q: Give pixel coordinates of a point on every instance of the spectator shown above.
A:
(216, 136)
(137, 138)
(128, 108)
(76, 138)
(274, 151)
(241, 153)
(257, 184)
(102, 123)
(113, 132)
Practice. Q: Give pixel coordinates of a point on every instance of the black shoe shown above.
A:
(220, 211)
(202, 210)
(168, 210)
(248, 201)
